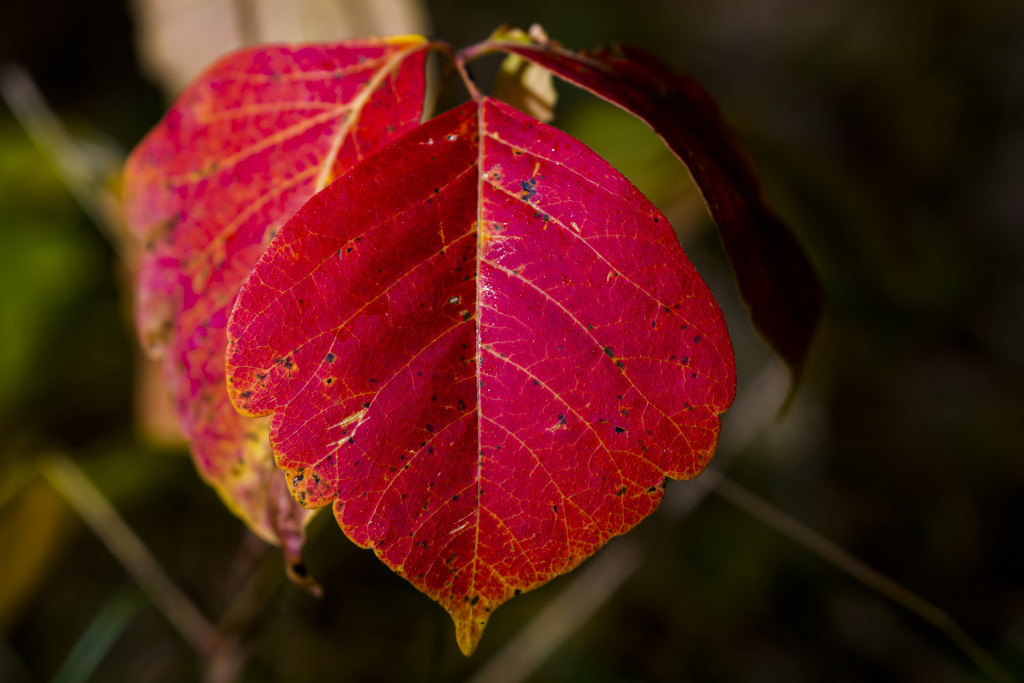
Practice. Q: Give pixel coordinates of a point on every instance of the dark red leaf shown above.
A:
(774, 276)
(488, 350)
(244, 147)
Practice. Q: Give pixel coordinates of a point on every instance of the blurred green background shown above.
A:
(891, 137)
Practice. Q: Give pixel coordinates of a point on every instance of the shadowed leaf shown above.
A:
(774, 276)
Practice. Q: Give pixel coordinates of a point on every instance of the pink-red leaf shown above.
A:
(774, 276)
(244, 147)
(487, 350)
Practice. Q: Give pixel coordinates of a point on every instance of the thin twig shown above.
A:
(118, 537)
(768, 514)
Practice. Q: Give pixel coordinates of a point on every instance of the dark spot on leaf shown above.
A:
(619, 430)
(330, 357)
(696, 340)
(528, 189)
(476, 599)
(608, 350)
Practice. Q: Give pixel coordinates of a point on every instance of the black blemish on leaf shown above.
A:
(366, 405)
(476, 599)
(685, 360)
(619, 430)
(246, 394)
(330, 357)
(528, 189)
(330, 380)
(620, 364)
(561, 419)
(608, 350)
(297, 479)
(696, 340)
(693, 375)
(430, 428)
(620, 491)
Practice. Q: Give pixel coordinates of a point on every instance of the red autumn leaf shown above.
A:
(488, 350)
(774, 276)
(244, 147)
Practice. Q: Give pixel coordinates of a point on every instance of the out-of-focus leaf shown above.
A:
(487, 349)
(774, 276)
(525, 85)
(240, 151)
(176, 40)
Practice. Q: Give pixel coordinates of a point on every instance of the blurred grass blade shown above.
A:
(87, 169)
(130, 552)
(99, 636)
(768, 514)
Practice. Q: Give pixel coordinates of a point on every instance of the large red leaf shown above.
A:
(244, 147)
(774, 276)
(488, 350)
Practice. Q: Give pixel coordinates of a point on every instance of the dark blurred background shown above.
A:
(889, 134)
